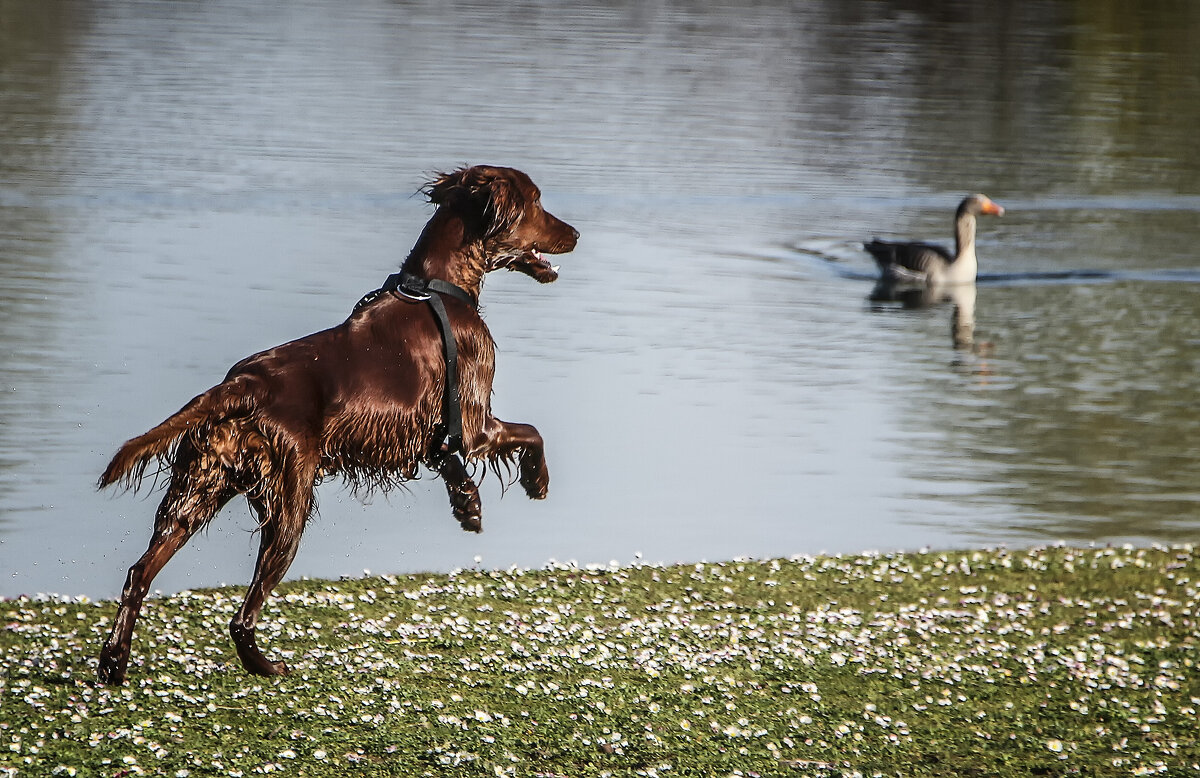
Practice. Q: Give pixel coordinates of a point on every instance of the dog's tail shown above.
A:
(129, 463)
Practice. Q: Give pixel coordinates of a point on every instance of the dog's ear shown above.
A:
(447, 187)
(505, 205)
(486, 191)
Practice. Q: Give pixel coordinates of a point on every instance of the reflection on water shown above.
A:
(185, 184)
(960, 297)
(1073, 414)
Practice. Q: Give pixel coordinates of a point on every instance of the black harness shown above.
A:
(417, 289)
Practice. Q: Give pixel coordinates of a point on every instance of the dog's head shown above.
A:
(504, 208)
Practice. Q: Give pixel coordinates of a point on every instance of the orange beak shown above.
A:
(993, 209)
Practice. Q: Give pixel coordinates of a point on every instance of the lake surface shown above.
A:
(183, 184)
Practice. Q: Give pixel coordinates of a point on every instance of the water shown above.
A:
(182, 184)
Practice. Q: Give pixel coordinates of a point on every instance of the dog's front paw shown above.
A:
(466, 506)
(470, 517)
(536, 482)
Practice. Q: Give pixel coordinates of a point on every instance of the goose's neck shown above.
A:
(964, 235)
(965, 265)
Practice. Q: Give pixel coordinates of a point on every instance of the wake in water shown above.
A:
(828, 255)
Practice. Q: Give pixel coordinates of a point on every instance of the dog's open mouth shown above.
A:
(531, 262)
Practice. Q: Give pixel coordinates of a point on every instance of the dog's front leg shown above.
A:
(463, 492)
(505, 440)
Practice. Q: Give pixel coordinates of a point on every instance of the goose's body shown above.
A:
(907, 262)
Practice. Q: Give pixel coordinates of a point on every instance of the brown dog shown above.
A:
(363, 400)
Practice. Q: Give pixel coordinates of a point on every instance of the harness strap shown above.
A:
(417, 289)
(451, 402)
(445, 287)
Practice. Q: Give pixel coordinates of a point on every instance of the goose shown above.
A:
(903, 262)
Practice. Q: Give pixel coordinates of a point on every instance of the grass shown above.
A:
(1047, 661)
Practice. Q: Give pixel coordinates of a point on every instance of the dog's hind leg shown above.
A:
(463, 492)
(199, 488)
(281, 523)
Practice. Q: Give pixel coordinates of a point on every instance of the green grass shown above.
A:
(1049, 661)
